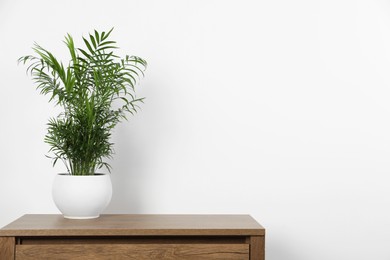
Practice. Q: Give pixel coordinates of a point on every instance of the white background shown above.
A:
(279, 109)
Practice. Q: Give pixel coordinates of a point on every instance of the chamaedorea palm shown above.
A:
(96, 91)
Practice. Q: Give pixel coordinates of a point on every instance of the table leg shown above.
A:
(257, 248)
(7, 248)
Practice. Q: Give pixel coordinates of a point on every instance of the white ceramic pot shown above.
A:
(82, 197)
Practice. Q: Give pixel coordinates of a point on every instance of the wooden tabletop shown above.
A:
(134, 225)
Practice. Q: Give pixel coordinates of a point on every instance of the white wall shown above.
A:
(278, 109)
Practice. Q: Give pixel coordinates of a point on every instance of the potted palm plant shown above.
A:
(96, 91)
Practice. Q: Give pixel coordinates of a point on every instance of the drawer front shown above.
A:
(133, 251)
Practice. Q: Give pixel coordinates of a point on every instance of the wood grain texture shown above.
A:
(135, 240)
(257, 247)
(133, 237)
(7, 248)
(138, 252)
(134, 225)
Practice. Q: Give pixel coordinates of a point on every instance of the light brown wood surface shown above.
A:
(257, 249)
(7, 248)
(138, 252)
(133, 225)
(134, 240)
(133, 237)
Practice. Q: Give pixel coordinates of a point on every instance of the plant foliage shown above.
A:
(96, 91)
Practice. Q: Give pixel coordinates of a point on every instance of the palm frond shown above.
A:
(88, 88)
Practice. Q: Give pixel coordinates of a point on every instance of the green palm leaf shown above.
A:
(88, 89)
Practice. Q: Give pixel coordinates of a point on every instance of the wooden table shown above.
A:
(133, 237)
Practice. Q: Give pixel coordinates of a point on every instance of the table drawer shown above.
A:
(133, 251)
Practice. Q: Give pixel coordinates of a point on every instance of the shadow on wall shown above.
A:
(128, 174)
(277, 249)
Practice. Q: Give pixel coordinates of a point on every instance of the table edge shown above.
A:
(257, 231)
